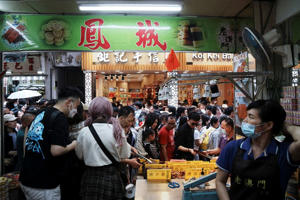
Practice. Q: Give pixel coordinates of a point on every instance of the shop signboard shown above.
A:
(21, 63)
(117, 33)
(129, 58)
(67, 59)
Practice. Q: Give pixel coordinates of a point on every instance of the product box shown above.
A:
(289, 104)
(289, 92)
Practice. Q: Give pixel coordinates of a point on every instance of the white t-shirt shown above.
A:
(89, 151)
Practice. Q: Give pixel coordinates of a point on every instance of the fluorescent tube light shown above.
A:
(132, 8)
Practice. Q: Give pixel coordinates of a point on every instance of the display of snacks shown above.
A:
(296, 118)
(289, 92)
(155, 166)
(177, 174)
(4, 188)
(182, 169)
(13, 179)
(159, 175)
(289, 117)
(289, 104)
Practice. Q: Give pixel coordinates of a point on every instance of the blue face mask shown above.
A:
(249, 130)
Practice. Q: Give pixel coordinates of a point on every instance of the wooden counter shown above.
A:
(157, 191)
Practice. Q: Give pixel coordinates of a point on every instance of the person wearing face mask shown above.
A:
(259, 165)
(46, 145)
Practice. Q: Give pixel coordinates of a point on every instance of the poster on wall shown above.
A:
(241, 64)
(137, 33)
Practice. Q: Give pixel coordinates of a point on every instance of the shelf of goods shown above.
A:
(9, 186)
(291, 104)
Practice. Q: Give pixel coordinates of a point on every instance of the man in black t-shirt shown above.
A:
(184, 138)
(46, 143)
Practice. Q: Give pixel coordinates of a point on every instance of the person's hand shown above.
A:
(133, 163)
(192, 152)
(134, 151)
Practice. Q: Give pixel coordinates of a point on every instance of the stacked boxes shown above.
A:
(290, 104)
(179, 170)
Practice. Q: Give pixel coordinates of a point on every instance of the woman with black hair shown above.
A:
(259, 165)
(204, 139)
(151, 122)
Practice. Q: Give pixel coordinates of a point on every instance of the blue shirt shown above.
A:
(225, 160)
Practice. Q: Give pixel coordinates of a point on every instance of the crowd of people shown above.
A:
(65, 149)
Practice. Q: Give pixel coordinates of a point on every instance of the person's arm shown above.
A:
(221, 181)
(132, 162)
(294, 148)
(215, 151)
(57, 150)
(185, 149)
(164, 151)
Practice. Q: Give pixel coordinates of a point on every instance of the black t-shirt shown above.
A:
(184, 137)
(40, 169)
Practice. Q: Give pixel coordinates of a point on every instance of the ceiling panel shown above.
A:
(16, 6)
(54, 6)
(222, 8)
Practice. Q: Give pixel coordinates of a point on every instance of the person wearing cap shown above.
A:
(10, 141)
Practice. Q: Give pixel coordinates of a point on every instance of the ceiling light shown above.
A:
(39, 72)
(132, 7)
(8, 72)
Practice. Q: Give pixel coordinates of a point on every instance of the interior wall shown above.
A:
(134, 85)
(70, 76)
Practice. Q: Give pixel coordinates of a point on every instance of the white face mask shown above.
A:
(72, 111)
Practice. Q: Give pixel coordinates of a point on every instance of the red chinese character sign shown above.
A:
(91, 35)
(147, 35)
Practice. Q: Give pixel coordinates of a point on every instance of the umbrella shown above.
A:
(24, 94)
(172, 62)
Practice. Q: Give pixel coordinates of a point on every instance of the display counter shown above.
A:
(157, 191)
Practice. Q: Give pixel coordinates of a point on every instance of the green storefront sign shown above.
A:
(136, 33)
